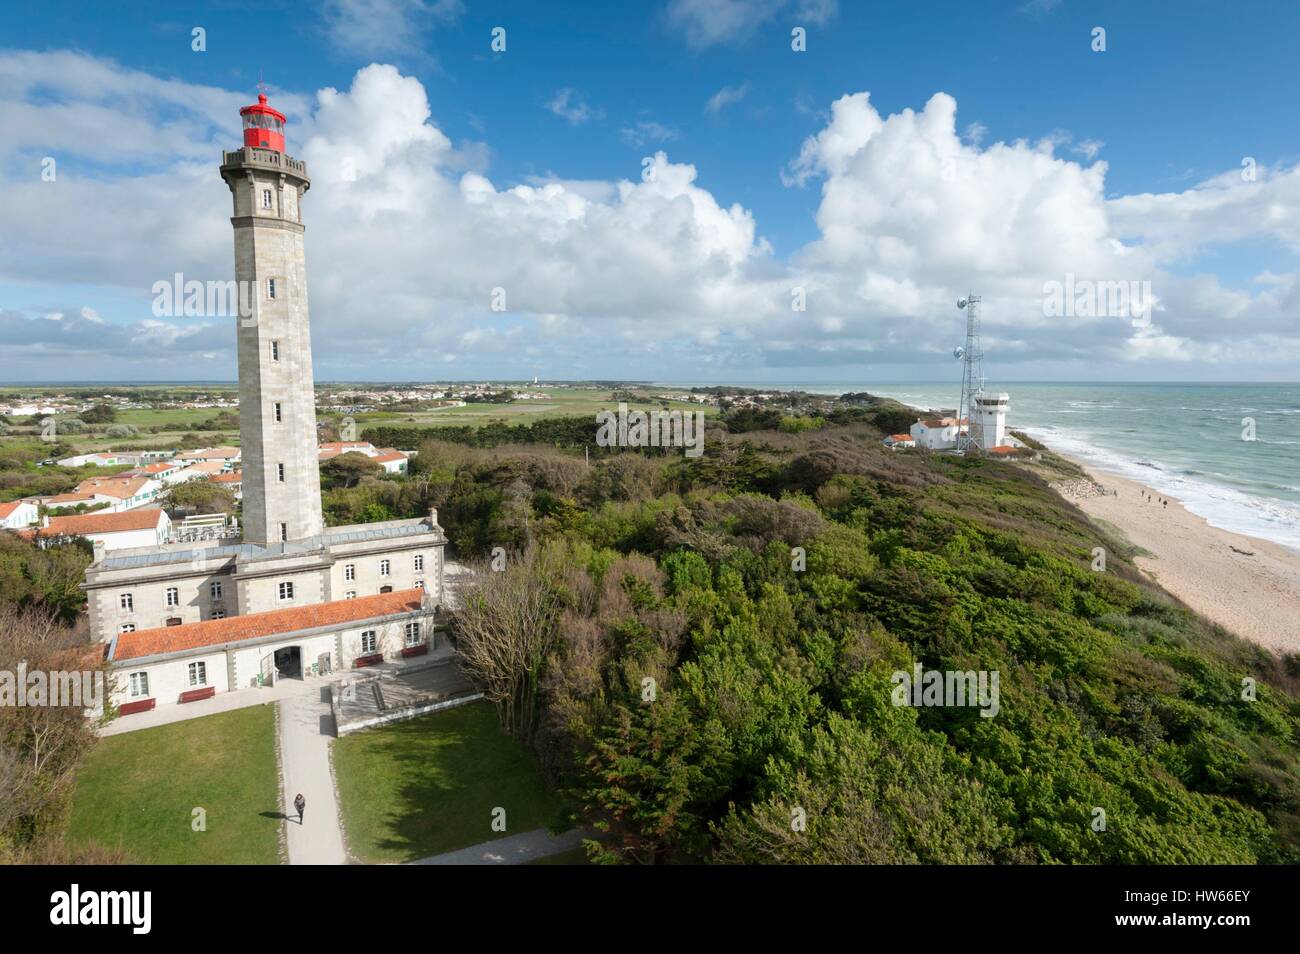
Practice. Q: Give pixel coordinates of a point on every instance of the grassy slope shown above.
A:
(138, 791)
(426, 786)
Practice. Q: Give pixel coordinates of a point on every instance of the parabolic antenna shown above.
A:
(961, 302)
(958, 352)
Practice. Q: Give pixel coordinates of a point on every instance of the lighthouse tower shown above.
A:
(277, 404)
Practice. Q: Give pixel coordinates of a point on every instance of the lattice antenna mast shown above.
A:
(972, 375)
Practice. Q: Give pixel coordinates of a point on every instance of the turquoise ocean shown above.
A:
(1184, 440)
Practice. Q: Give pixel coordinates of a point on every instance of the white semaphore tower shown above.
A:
(277, 401)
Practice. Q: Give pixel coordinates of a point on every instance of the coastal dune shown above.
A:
(1248, 586)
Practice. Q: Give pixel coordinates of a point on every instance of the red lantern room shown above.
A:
(263, 126)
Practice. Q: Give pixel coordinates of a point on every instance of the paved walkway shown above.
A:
(306, 728)
(511, 850)
(221, 702)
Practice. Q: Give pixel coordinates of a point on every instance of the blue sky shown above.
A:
(1183, 92)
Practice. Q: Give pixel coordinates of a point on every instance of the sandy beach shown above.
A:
(1246, 585)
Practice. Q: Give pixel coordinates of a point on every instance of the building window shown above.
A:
(127, 628)
(266, 198)
(350, 595)
(279, 412)
(173, 596)
(174, 621)
(284, 532)
(279, 472)
(139, 685)
(412, 634)
(368, 642)
(214, 589)
(198, 674)
(419, 562)
(286, 591)
(127, 601)
(349, 571)
(385, 589)
(384, 567)
(270, 288)
(275, 351)
(218, 614)
(419, 584)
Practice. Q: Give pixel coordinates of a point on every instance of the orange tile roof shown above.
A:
(123, 488)
(901, 437)
(342, 444)
(208, 467)
(7, 509)
(389, 458)
(228, 477)
(69, 498)
(214, 632)
(81, 524)
(1002, 449)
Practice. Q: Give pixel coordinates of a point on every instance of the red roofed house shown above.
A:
(392, 460)
(124, 493)
(937, 433)
(231, 479)
(132, 528)
(192, 661)
(899, 440)
(17, 515)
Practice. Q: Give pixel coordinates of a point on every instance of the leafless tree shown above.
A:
(506, 627)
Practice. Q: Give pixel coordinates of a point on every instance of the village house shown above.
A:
(392, 460)
(224, 455)
(18, 515)
(114, 531)
(124, 493)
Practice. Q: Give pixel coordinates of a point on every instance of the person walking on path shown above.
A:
(300, 804)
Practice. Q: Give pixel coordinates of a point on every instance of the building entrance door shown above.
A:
(288, 662)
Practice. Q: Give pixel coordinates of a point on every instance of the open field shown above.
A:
(560, 402)
(419, 788)
(139, 791)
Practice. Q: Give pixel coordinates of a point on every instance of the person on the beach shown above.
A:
(300, 804)
(1166, 503)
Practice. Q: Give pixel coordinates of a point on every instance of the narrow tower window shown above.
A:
(270, 288)
(266, 198)
(275, 351)
(279, 472)
(279, 412)
(284, 531)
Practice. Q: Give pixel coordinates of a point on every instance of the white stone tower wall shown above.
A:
(269, 245)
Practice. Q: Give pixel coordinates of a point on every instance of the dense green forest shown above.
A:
(700, 651)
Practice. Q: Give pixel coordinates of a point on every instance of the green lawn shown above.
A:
(429, 785)
(139, 791)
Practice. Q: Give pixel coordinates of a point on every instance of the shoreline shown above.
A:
(1247, 585)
